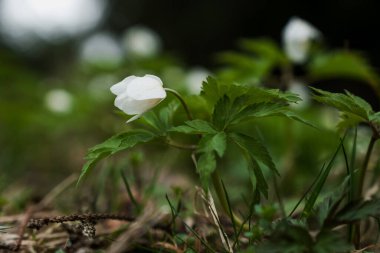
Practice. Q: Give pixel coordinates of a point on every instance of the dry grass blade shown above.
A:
(149, 218)
(209, 201)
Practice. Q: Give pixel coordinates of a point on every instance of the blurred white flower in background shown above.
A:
(194, 79)
(297, 36)
(101, 48)
(58, 100)
(136, 95)
(303, 91)
(23, 22)
(141, 41)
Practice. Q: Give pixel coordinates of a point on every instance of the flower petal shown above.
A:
(133, 118)
(147, 87)
(131, 106)
(121, 86)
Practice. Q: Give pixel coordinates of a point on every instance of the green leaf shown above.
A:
(215, 142)
(360, 211)
(207, 147)
(375, 118)
(205, 166)
(255, 148)
(255, 151)
(261, 183)
(196, 126)
(265, 48)
(221, 114)
(344, 64)
(162, 121)
(346, 103)
(113, 145)
(213, 90)
(330, 203)
(329, 241)
(354, 109)
(254, 64)
(287, 238)
(319, 185)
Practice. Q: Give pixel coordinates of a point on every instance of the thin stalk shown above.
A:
(180, 145)
(180, 98)
(218, 186)
(359, 188)
(365, 165)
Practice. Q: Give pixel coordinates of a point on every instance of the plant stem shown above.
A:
(180, 98)
(359, 188)
(180, 145)
(364, 168)
(217, 182)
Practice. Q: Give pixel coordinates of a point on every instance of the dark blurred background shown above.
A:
(196, 30)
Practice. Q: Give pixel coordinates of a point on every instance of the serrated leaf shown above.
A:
(213, 90)
(255, 151)
(261, 183)
(361, 211)
(347, 103)
(196, 126)
(219, 143)
(213, 142)
(205, 166)
(113, 145)
(255, 148)
(221, 114)
(161, 121)
(259, 95)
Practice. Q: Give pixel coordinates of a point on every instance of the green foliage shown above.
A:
(344, 64)
(290, 237)
(162, 121)
(316, 190)
(113, 145)
(232, 105)
(195, 127)
(354, 110)
(256, 61)
(364, 210)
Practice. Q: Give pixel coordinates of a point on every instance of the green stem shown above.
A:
(180, 145)
(359, 188)
(180, 98)
(364, 168)
(217, 182)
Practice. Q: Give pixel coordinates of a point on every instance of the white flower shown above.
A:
(59, 101)
(297, 36)
(194, 79)
(141, 41)
(136, 95)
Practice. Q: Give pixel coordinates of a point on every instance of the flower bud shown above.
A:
(136, 95)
